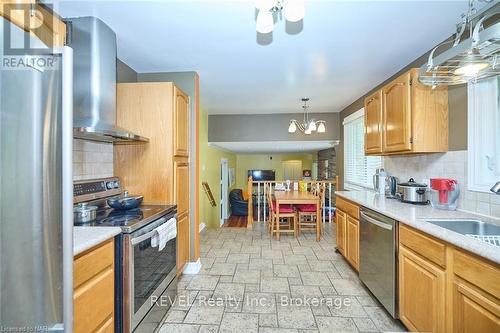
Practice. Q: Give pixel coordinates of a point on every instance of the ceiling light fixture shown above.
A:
(294, 11)
(307, 126)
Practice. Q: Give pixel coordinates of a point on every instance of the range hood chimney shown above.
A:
(94, 86)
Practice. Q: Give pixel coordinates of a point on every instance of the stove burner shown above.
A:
(121, 217)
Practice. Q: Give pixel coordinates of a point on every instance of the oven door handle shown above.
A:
(148, 235)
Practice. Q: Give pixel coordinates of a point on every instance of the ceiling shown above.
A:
(344, 49)
(277, 147)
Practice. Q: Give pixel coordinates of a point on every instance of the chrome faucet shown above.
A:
(496, 188)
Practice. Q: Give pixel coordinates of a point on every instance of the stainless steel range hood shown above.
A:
(94, 92)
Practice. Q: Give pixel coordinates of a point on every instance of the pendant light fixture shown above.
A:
(294, 11)
(307, 126)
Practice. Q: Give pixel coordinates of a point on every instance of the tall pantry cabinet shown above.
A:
(159, 169)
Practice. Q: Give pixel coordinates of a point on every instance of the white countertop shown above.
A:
(85, 238)
(414, 215)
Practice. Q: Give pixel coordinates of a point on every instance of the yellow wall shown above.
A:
(210, 172)
(245, 162)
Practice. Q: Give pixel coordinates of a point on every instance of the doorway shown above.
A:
(292, 170)
(224, 187)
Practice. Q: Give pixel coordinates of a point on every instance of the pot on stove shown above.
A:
(84, 213)
(125, 201)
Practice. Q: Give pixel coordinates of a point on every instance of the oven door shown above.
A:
(151, 271)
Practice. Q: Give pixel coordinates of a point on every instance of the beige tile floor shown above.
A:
(253, 279)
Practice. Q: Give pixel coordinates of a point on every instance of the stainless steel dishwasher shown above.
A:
(377, 257)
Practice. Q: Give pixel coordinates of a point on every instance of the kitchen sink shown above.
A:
(468, 227)
(486, 232)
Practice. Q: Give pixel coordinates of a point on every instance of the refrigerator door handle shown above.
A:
(67, 184)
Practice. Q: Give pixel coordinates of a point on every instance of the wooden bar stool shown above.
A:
(286, 217)
(306, 214)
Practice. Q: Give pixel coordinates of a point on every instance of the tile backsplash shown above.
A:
(92, 159)
(453, 165)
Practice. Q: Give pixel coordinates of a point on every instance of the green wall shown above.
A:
(210, 172)
(245, 162)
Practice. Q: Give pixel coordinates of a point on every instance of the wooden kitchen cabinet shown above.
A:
(181, 123)
(347, 230)
(353, 241)
(159, 169)
(373, 123)
(181, 186)
(445, 289)
(93, 295)
(396, 121)
(413, 118)
(44, 24)
(182, 242)
(475, 294)
(340, 218)
(421, 293)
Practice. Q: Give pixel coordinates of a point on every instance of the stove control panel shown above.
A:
(95, 188)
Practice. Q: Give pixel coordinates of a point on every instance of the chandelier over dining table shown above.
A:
(307, 126)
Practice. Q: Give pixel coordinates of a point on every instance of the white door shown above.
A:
(224, 187)
(292, 170)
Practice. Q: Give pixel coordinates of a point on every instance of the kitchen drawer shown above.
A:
(94, 302)
(422, 244)
(348, 207)
(93, 262)
(477, 271)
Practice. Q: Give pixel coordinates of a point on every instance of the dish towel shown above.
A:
(164, 233)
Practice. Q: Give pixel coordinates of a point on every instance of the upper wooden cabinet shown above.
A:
(42, 22)
(396, 122)
(373, 123)
(158, 111)
(406, 117)
(181, 123)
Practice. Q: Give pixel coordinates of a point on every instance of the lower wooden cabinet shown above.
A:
(446, 289)
(347, 230)
(340, 218)
(473, 311)
(93, 294)
(476, 293)
(182, 242)
(421, 293)
(353, 241)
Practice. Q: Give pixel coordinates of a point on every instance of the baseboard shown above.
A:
(202, 226)
(192, 267)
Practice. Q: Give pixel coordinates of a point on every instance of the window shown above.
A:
(483, 134)
(358, 168)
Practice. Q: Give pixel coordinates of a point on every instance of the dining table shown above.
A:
(297, 198)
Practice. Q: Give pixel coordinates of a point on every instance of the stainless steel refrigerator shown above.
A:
(36, 219)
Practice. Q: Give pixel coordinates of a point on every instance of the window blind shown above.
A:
(358, 168)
